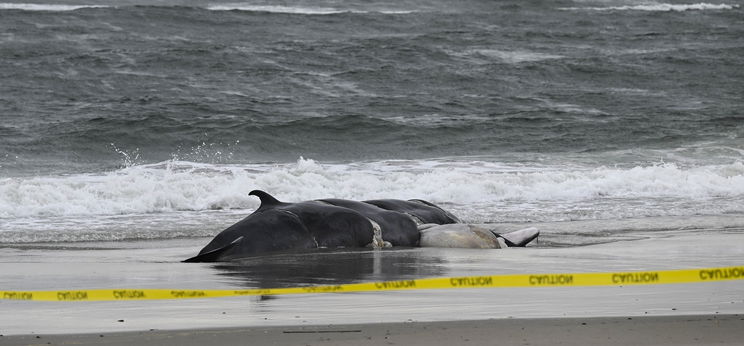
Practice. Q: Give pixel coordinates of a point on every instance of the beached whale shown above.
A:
(337, 223)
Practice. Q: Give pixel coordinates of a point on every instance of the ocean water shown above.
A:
(136, 120)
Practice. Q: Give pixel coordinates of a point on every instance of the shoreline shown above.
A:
(607, 331)
(155, 265)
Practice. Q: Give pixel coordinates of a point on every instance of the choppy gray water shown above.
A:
(141, 120)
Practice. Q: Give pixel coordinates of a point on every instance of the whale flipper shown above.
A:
(519, 238)
(215, 254)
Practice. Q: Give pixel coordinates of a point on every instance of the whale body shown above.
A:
(337, 223)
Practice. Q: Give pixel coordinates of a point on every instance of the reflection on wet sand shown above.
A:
(332, 267)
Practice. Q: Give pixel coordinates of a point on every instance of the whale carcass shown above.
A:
(337, 223)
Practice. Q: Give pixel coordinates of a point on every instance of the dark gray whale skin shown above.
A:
(397, 228)
(425, 212)
(332, 223)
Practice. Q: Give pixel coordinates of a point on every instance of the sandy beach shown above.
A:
(668, 330)
(672, 314)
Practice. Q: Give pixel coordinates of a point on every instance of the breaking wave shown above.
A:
(187, 186)
(660, 7)
(216, 7)
(46, 7)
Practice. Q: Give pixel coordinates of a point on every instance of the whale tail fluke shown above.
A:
(267, 200)
(520, 238)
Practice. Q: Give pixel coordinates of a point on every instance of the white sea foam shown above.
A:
(509, 56)
(660, 7)
(184, 186)
(185, 199)
(46, 7)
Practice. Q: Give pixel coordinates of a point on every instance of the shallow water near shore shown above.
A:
(155, 264)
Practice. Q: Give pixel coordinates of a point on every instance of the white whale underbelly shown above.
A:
(459, 236)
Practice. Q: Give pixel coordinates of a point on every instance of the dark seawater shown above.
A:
(171, 111)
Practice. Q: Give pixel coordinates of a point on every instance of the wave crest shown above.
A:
(660, 7)
(46, 7)
(187, 186)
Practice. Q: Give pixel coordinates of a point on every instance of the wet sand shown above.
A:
(155, 264)
(660, 331)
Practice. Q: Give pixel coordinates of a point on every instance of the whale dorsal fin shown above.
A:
(267, 200)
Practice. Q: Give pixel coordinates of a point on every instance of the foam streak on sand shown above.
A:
(294, 10)
(273, 9)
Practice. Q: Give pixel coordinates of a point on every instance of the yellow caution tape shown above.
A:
(519, 280)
